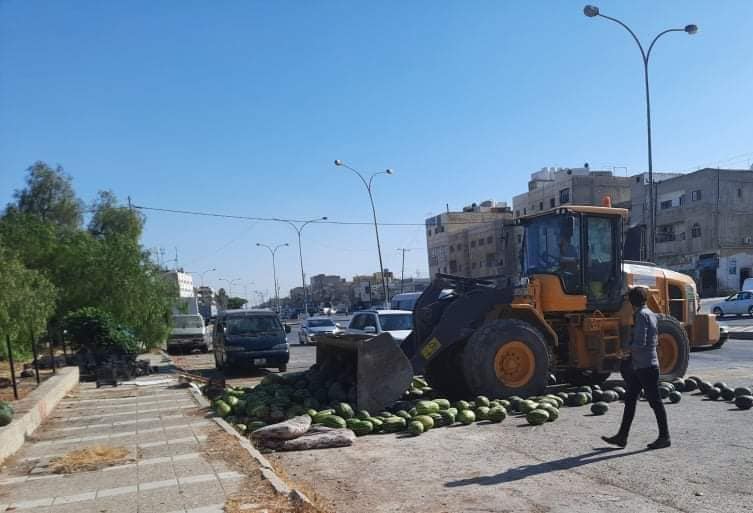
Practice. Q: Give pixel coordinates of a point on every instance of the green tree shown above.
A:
(110, 219)
(235, 302)
(48, 195)
(26, 303)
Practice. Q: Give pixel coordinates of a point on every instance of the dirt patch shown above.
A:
(91, 458)
(25, 385)
(255, 493)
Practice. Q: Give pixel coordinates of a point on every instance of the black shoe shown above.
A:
(615, 440)
(660, 443)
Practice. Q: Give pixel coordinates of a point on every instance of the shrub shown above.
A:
(92, 329)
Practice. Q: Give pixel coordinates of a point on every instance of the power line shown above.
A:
(279, 219)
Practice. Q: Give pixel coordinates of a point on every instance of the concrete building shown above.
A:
(478, 242)
(704, 225)
(183, 281)
(552, 187)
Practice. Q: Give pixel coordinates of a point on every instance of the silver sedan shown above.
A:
(314, 326)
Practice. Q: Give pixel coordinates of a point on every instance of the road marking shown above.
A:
(124, 490)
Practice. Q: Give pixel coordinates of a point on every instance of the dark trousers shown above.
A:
(635, 381)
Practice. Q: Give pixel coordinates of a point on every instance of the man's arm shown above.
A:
(640, 331)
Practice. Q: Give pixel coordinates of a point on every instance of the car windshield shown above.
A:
(396, 322)
(321, 323)
(187, 322)
(256, 324)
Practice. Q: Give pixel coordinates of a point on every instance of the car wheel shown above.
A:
(718, 312)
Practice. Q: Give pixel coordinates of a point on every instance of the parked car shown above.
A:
(188, 333)
(747, 284)
(405, 301)
(251, 339)
(314, 326)
(736, 304)
(398, 323)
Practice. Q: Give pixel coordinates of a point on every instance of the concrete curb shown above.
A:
(34, 408)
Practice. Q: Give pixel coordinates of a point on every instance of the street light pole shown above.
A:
(402, 269)
(273, 252)
(592, 11)
(229, 285)
(298, 229)
(368, 184)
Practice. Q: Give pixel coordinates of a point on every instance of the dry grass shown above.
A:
(91, 458)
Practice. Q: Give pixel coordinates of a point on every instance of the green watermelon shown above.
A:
(690, 385)
(5, 416)
(415, 427)
(419, 382)
(222, 408)
(448, 416)
(537, 417)
(344, 410)
(482, 413)
(720, 385)
(527, 406)
(704, 386)
(427, 407)
(551, 410)
(362, 427)
(581, 398)
(231, 399)
(253, 426)
(744, 402)
(609, 396)
(454, 411)
(377, 423)
(668, 385)
(241, 428)
(675, 397)
(362, 415)
(481, 400)
(620, 392)
(713, 393)
(404, 414)
(394, 424)
(334, 421)
(584, 389)
(742, 391)
(515, 401)
(444, 404)
(598, 395)
(599, 408)
(320, 416)
(497, 414)
(466, 417)
(462, 405)
(426, 420)
(664, 392)
(728, 394)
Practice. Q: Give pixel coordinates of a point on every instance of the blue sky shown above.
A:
(241, 107)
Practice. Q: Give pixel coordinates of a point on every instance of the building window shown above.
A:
(696, 195)
(517, 213)
(739, 193)
(453, 266)
(481, 242)
(473, 243)
(695, 231)
(666, 204)
(551, 202)
(564, 196)
(665, 233)
(490, 260)
(541, 205)
(524, 211)
(489, 239)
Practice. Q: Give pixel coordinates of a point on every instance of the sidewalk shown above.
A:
(177, 459)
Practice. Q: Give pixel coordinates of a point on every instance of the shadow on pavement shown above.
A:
(524, 471)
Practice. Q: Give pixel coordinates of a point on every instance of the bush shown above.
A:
(92, 329)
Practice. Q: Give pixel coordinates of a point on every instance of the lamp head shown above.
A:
(324, 218)
(389, 172)
(258, 243)
(591, 11)
(691, 29)
(338, 162)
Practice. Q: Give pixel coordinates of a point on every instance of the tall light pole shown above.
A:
(273, 252)
(368, 184)
(402, 269)
(592, 11)
(298, 227)
(202, 273)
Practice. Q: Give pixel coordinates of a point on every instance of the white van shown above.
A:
(188, 333)
(747, 284)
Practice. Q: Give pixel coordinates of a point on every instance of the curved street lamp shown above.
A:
(229, 284)
(368, 185)
(298, 227)
(273, 252)
(592, 11)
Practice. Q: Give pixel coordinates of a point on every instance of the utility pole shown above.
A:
(402, 270)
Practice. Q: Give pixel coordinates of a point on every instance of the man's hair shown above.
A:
(638, 296)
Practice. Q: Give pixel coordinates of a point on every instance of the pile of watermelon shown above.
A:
(329, 403)
(6, 413)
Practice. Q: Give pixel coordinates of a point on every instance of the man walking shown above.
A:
(641, 372)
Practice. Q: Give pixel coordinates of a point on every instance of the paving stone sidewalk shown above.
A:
(164, 433)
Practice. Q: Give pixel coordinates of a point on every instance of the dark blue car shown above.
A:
(250, 339)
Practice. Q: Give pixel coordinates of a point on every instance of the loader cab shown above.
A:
(582, 247)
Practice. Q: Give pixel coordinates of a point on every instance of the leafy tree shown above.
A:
(235, 302)
(26, 303)
(111, 219)
(94, 329)
(48, 195)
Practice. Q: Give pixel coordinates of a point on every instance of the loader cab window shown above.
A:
(553, 247)
(602, 276)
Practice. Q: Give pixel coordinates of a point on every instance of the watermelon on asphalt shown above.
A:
(466, 417)
(742, 391)
(415, 427)
(713, 393)
(537, 417)
(599, 408)
(675, 397)
(744, 402)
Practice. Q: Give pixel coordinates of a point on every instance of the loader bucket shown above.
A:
(375, 367)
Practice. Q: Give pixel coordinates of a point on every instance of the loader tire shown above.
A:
(506, 357)
(673, 349)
